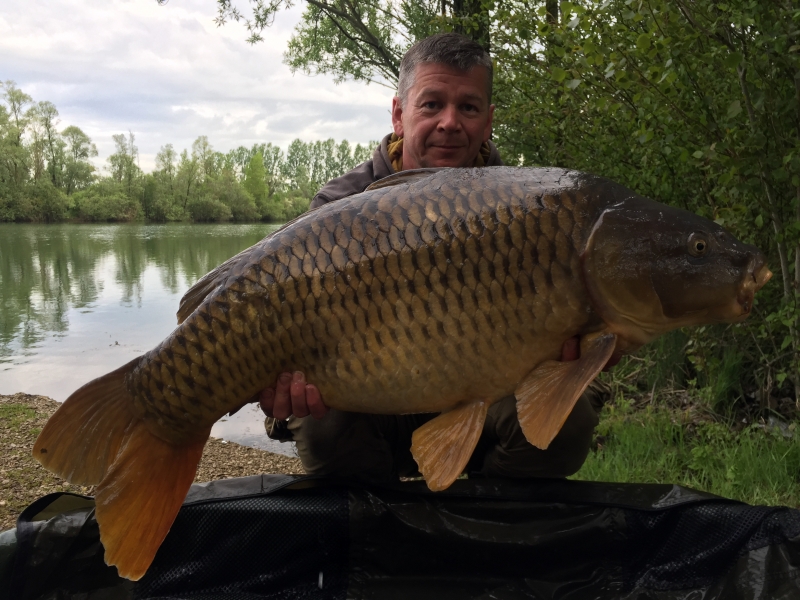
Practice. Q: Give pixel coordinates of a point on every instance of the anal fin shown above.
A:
(547, 395)
(442, 447)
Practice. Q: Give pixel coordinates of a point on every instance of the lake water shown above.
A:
(77, 301)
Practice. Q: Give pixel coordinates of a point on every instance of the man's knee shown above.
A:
(344, 444)
(513, 456)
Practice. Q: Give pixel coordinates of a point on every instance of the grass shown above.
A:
(14, 415)
(756, 464)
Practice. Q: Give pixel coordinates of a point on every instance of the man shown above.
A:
(442, 117)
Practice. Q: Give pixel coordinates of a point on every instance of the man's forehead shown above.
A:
(438, 78)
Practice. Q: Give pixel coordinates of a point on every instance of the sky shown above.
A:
(169, 74)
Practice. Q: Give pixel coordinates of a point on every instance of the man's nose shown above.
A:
(449, 119)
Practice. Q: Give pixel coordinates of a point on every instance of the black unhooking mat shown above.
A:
(285, 537)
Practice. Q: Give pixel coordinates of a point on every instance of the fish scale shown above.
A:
(377, 298)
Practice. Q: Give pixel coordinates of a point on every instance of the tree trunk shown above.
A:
(471, 18)
(552, 11)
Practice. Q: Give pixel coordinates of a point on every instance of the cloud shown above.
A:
(169, 74)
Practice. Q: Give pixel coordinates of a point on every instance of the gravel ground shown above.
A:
(23, 480)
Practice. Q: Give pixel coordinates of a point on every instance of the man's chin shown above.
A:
(456, 161)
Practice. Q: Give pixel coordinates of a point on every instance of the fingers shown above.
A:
(298, 395)
(267, 400)
(292, 396)
(282, 405)
(314, 400)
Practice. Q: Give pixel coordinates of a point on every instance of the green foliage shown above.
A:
(236, 197)
(255, 182)
(37, 201)
(758, 464)
(691, 103)
(105, 201)
(208, 210)
(47, 203)
(77, 172)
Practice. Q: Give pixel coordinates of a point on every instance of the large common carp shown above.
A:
(435, 290)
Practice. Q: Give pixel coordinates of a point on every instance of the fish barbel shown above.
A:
(438, 290)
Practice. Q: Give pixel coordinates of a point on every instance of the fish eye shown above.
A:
(698, 244)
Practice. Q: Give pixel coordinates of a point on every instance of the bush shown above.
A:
(15, 206)
(206, 210)
(40, 202)
(48, 203)
(285, 206)
(231, 193)
(105, 201)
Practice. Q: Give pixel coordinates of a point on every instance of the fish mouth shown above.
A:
(758, 276)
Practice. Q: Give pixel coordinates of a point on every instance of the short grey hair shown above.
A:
(452, 49)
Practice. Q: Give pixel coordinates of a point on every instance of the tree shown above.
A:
(14, 156)
(297, 167)
(123, 163)
(273, 165)
(203, 153)
(37, 145)
(186, 179)
(47, 114)
(363, 40)
(166, 167)
(78, 171)
(255, 181)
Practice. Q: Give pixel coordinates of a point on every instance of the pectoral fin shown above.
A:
(442, 447)
(547, 395)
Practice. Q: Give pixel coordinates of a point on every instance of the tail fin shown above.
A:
(84, 436)
(95, 438)
(140, 497)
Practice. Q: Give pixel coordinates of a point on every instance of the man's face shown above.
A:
(445, 118)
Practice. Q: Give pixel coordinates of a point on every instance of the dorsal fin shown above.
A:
(409, 176)
(195, 295)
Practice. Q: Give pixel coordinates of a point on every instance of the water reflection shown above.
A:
(80, 300)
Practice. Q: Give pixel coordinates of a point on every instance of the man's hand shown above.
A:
(292, 396)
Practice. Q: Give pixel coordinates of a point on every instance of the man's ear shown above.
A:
(487, 132)
(397, 116)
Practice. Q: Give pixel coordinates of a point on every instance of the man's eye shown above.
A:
(469, 108)
(431, 105)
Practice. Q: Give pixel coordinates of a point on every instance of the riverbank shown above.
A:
(23, 480)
